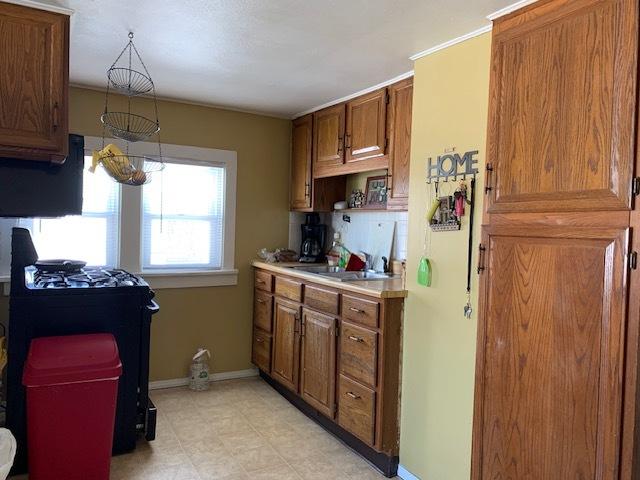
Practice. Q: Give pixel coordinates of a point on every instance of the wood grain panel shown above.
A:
(549, 367)
(288, 288)
(562, 107)
(263, 281)
(286, 344)
(263, 311)
(328, 137)
(318, 361)
(359, 310)
(261, 351)
(366, 126)
(321, 299)
(301, 142)
(356, 409)
(359, 354)
(399, 148)
(33, 83)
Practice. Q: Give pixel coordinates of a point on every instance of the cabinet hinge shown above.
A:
(337, 330)
(387, 98)
(635, 187)
(386, 144)
(633, 260)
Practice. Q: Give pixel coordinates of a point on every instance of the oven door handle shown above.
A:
(153, 308)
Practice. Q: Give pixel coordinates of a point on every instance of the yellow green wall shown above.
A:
(217, 317)
(449, 110)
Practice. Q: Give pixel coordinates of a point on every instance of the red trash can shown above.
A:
(72, 385)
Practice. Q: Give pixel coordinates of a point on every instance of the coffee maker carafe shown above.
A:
(314, 236)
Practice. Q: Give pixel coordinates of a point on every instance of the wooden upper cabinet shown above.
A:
(328, 137)
(366, 127)
(562, 107)
(285, 361)
(550, 353)
(301, 184)
(399, 130)
(34, 81)
(318, 361)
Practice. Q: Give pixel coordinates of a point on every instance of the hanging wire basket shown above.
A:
(129, 126)
(131, 169)
(128, 81)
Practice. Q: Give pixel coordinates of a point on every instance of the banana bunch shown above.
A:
(115, 162)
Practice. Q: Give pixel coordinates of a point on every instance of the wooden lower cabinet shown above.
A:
(318, 361)
(261, 350)
(286, 343)
(339, 353)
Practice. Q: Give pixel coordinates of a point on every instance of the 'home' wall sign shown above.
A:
(452, 165)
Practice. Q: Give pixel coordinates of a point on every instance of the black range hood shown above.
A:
(40, 189)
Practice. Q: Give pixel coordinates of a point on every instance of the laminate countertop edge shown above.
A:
(392, 288)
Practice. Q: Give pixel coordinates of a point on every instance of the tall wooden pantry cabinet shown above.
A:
(557, 357)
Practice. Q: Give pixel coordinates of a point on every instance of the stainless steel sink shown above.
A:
(341, 275)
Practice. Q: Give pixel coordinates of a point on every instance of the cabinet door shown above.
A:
(318, 373)
(33, 83)
(328, 137)
(562, 107)
(301, 140)
(261, 350)
(550, 353)
(366, 126)
(286, 344)
(399, 127)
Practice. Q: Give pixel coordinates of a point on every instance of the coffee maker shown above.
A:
(314, 236)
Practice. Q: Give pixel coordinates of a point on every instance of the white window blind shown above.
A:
(183, 217)
(93, 236)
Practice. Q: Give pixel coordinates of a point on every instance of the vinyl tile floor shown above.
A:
(237, 430)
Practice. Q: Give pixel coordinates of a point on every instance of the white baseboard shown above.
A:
(214, 377)
(405, 474)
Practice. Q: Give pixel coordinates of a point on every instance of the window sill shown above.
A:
(159, 279)
(171, 279)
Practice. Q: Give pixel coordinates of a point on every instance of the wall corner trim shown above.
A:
(510, 8)
(405, 474)
(214, 377)
(450, 43)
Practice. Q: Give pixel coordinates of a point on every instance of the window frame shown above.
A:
(131, 211)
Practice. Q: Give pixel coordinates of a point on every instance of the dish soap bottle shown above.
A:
(338, 255)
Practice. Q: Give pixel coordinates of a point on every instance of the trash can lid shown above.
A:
(71, 359)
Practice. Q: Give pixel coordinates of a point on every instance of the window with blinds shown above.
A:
(183, 217)
(93, 236)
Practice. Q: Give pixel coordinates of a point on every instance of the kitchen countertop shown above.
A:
(391, 288)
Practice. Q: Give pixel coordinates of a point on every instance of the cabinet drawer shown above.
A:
(356, 410)
(261, 351)
(359, 353)
(263, 310)
(360, 311)
(321, 299)
(289, 289)
(264, 281)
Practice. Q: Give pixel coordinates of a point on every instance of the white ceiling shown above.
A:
(278, 57)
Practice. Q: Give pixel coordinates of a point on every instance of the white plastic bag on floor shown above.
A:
(7, 452)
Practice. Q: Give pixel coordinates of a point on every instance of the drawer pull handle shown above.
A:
(357, 310)
(353, 395)
(260, 282)
(259, 300)
(356, 339)
(259, 340)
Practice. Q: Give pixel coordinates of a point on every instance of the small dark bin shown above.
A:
(72, 385)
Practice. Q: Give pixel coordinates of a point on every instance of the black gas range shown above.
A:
(72, 299)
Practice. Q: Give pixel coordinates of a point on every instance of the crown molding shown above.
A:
(508, 9)
(450, 43)
(356, 94)
(49, 7)
(82, 86)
